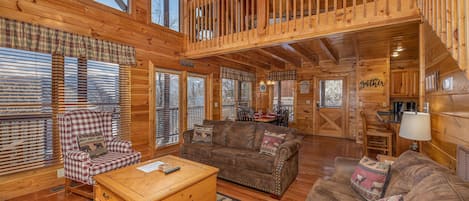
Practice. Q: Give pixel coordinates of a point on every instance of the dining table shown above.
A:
(265, 118)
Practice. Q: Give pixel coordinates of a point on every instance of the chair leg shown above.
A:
(365, 146)
(68, 184)
(389, 140)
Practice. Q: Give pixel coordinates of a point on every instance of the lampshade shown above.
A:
(415, 126)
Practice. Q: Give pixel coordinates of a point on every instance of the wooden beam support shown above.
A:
(329, 50)
(243, 61)
(356, 49)
(264, 59)
(307, 54)
(277, 56)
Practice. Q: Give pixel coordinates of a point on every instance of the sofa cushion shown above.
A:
(369, 178)
(224, 156)
(439, 186)
(253, 160)
(218, 130)
(202, 134)
(262, 127)
(410, 158)
(271, 142)
(328, 190)
(93, 144)
(199, 151)
(241, 135)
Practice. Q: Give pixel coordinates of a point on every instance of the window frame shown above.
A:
(279, 97)
(164, 26)
(112, 9)
(237, 93)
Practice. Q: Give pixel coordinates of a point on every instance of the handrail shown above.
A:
(214, 26)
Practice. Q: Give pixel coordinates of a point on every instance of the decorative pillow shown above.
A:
(392, 198)
(203, 134)
(369, 178)
(271, 142)
(93, 144)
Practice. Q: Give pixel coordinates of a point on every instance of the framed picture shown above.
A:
(262, 87)
(304, 87)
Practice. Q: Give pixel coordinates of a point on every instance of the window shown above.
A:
(195, 100)
(167, 108)
(284, 95)
(235, 94)
(26, 139)
(122, 5)
(330, 94)
(165, 13)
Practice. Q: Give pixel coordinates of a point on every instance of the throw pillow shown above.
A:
(369, 178)
(271, 142)
(392, 198)
(93, 144)
(203, 134)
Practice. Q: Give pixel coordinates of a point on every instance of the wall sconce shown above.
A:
(270, 82)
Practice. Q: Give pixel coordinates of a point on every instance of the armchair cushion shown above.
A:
(113, 160)
(120, 146)
(93, 144)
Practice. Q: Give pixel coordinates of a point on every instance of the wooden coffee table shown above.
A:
(194, 181)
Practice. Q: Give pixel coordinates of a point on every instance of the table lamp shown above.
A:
(415, 126)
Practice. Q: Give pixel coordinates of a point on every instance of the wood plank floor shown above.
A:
(316, 160)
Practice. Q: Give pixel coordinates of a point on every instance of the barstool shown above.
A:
(376, 138)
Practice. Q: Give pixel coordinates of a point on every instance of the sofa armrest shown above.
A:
(77, 156)
(187, 135)
(120, 146)
(287, 150)
(344, 167)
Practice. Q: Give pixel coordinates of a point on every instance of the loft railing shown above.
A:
(449, 21)
(219, 26)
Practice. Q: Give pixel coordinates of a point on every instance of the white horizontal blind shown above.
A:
(25, 111)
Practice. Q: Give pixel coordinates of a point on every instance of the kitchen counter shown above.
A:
(389, 117)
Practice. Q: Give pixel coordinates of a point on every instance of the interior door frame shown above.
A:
(345, 100)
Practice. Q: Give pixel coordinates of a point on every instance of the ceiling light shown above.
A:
(399, 49)
(395, 54)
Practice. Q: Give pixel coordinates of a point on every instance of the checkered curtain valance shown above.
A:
(229, 73)
(31, 37)
(282, 75)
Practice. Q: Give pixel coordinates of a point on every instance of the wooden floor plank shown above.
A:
(316, 161)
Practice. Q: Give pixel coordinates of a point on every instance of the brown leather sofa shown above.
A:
(413, 175)
(235, 151)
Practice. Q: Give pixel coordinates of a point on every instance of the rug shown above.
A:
(223, 197)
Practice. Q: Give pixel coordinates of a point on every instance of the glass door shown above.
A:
(167, 108)
(195, 100)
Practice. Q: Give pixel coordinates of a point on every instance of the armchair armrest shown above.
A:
(187, 135)
(78, 155)
(120, 146)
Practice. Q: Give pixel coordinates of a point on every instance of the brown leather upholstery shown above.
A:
(235, 151)
(413, 175)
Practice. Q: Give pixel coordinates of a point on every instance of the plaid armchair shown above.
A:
(78, 165)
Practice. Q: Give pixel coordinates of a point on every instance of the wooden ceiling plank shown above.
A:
(309, 55)
(329, 50)
(275, 58)
(242, 61)
(276, 55)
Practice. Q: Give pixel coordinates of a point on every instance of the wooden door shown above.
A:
(331, 107)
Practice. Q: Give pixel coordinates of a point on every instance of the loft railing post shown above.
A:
(261, 17)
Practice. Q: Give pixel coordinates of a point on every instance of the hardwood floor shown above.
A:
(316, 160)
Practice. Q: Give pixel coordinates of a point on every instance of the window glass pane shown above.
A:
(122, 5)
(157, 12)
(195, 101)
(286, 97)
(331, 93)
(174, 15)
(246, 91)
(167, 108)
(228, 99)
(25, 109)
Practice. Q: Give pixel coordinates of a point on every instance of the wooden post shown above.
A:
(422, 65)
(261, 17)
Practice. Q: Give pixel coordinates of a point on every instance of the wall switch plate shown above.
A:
(60, 173)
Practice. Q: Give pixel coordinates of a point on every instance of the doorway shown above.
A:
(331, 112)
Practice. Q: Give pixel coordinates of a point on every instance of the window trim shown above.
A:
(106, 8)
(166, 28)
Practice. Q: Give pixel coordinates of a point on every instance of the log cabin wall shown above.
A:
(449, 108)
(155, 45)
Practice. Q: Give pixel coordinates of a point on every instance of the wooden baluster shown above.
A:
(326, 8)
(294, 12)
(467, 40)
(280, 15)
(462, 34)
(438, 18)
(241, 23)
(448, 25)
(344, 8)
(318, 12)
(236, 19)
(252, 16)
(302, 15)
(364, 8)
(274, 11)
(454, 28)
(261, 17)
(232, 16)
(205, 24)
(354, 10)
(335, 11)
(246, 19)
(268, 16)
(287, 16)
(443, 21)
(376, 7)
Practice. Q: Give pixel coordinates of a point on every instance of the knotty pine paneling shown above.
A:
(159, 45)
(449, 109)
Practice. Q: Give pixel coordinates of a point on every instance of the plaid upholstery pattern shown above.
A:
(31, 37)
(234, 74)
(78, 165)
(282, 75)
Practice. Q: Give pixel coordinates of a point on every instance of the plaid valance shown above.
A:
(282, 75)
(31, 37)
(234, 74)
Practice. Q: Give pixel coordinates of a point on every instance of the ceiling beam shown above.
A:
(307, 54)
(329, 50)
(221, 62)
(276, 61)
(263, 59)
(243, 61)
(284, 59)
